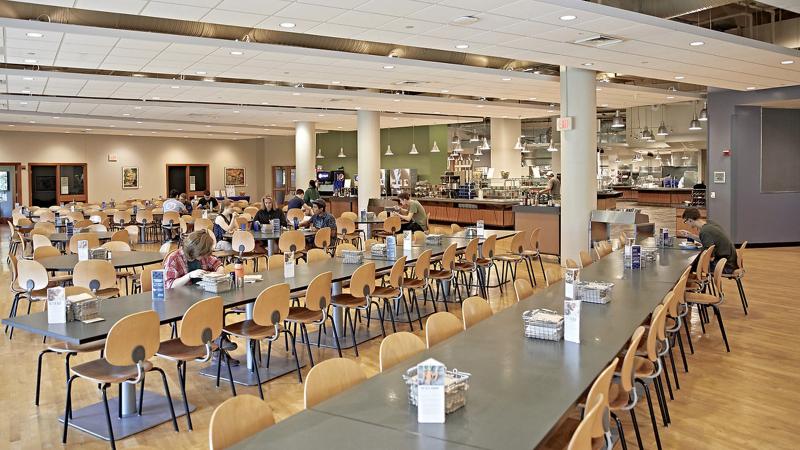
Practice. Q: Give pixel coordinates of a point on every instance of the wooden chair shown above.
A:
(117, 246)
(94, 241)
(531, 253)
(586, 258)
(97, 228)
(236, 419)
(582, 438)
(342, 247)
(511, 260)
(29, 281)
(147, 225)
(244, 246)
(130, 343)
(700, 279)
(45, 228)
(200, 327)
(121, 235)
(622, 394)
(466, 269)
(348, 232)
(552, 275)
(121, 219)
(14, 240)
(703, 300)
(392, 294)
(317, 254)
(98, 275)
(40, 240)
(275, 262)
(45, 252)
(170, 222)
(522, 289)
(383, 215)
(671, 332)
(398, 347)
(391, 226)
(420, 279)
(485, 263)
(349, 215)
(203, 224)
(322, 239)
(271, 308)
(329, 378)
(738, 274)
(455, 228)
(571, 264)
(292, 241)
(315, 312)
(445, 274)
(362, 285)
(80, 224)
(474, 310)
(598, 395)
(251, 210)
(647, 370)
(440, 326)
(295, 213)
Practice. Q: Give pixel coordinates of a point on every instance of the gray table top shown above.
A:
(178, 300)
(270, 235)
(64, 237)
(501, 234)
(120, 260)
(520, 387)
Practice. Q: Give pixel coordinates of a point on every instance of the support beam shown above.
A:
(305, 143)
(369, 157)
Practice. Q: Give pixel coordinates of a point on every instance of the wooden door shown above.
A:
(283, 183)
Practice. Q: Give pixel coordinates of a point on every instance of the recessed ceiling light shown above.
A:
(598, 89)
(462, 46)
(295, 93)
(152, 132)
(28, 78)
(265, 103)
(336, 82)
(156, 98)
(87, 129)
(138, 122)
(396, 100)
(31, 121)
(480, 106)
(567, 18)
(209, 134)
(388, 67)
(679, 77)
(11, 125)
(670, 97)
(30, 61)
(273, 124)
(697, 43)
(506, 79)
(531, 98)
(112, 126)
(236, 53)
(56, 117)
(34, 34)
(210, 80)
(236, 111)
(129, 134)
(751, 88)
(200, 72)
(588, 64)
(235, 132)
(26, 91)
(175, 87)
(126, 114)
(180, 129)
(551, 110)
(208, 126)
(23, 103)
(444, 91)
(287, 25)
(339, 128)
(320, 115)
(787, 62)
(139, 75)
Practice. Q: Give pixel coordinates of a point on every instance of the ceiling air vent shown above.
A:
(599, 40)
(409, 83)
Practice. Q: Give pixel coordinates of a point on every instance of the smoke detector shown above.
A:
(465, 20)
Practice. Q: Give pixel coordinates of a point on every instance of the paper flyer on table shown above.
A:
(408, 239)
(571, 277)
(430, 391)
(572, 321)
(83, 250)
(288, 265)
(56, 305)
(157, 281)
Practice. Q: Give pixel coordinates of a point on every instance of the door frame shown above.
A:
(188, 193)
(17, 183)
(60, 197)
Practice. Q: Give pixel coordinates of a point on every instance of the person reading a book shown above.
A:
(189, 263)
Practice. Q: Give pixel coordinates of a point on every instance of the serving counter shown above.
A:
(338, 205)
(548, 218)
(494, 213)
(663, 196)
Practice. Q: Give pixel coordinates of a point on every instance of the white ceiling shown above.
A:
(518, 29)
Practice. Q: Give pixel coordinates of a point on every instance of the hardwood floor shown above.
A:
(744, 399)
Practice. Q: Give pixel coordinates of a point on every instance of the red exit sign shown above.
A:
(564, 123)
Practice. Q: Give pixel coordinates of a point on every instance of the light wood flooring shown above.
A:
(746, 399)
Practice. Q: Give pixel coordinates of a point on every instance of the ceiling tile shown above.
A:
(263, 7)
(116, 6)
(398, 8)
(310, 12)
(237, 18)
(361, 19)
(174, 11)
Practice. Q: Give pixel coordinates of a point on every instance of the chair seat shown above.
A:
(465, 266)
(65, 347)
(107, 293)
(617, 397)
(301, 314)
(58, 279)
(386, 292)
(643, 367)
(530, 253)
(249, 329)
(440, 274)
(348, 301)
(413, 283)
(483, 262)
(738, 273)
(101, 371)
(699, 297)
(508, 257)
(176, 350)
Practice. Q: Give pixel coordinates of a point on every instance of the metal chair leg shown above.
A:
(256, 369)
(620, 431)
(722, 327)
(636, 428)
(68, 409)
(688, 334)
(39, 375)
(182, 379)
(652, 414)
(169, 398)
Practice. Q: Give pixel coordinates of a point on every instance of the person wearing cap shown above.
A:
(415, 216)
(320, 218)
(553, 186)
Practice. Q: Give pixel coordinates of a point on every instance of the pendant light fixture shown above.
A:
(552, 148)
(704, 113)
(485, 145)
(618, 122)
(474, 138)
(319, 154)
(413, 144)
(458, 148)
(435, 148)
(695, 125)
(341, 148)
(662, 130)
(518, 145)
(389, 151)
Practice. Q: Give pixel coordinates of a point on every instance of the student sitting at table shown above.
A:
(415, 215)
(320, 218)
(174, 203)
(208, 202)
(224, 223)
(268, 212)
(297, 202)
(708, 234)
(189, 263)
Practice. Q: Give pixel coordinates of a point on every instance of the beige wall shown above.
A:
(150, 154)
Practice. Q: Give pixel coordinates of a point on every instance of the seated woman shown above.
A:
(224, 223)
(269, 212)
(189, 263)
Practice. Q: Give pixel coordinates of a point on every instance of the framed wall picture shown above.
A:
(130, 178)
(234, 176)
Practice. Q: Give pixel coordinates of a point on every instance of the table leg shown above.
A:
(128, 399)
(272, 247)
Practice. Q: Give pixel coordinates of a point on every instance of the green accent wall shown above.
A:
(429, 165)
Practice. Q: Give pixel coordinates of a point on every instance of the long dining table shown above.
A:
(171, 309)
(519, 388)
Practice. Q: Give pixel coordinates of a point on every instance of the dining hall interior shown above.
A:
(405, 224)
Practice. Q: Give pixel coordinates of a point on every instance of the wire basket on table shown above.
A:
(378, 250)
(594, 291)
(543, 324)
(353, 256)
(456, 385)
(433, 239)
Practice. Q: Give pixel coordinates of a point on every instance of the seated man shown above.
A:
(709, 233)
(174, 203)
(297, 202)
(320, 218)
(208, 202)
(415, 215)
(191, 261)
(268, 212)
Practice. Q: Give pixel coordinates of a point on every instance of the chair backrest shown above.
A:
(322, 238)
(203, 224)
(448, 257)
(571, 264)
(533, 240)
(552, 275)
(392, 224)
(94, 241)
(45, 252)
(97, 228)
(275, 262)
(671, 303)
(489, 247)
(419, 237)
(600, 389)
(740, 255)
(170, 216)
(455, 228)
(329, 378)
(398, 347)
(382, 215)
(251, 210)
(586, 258)
(122, 235)
(31, 275)
(397, 272)
(292, 241)
(369, 243)
(423, 266)
(318, 293)
(440, 326)
(236, 419)
(231, 267)
(349, 215)
(45, 227)
(143, 215)
(519, 242)
(680, 286)
(717, 276)
(582, 437)
(82, 223)
(122, 217)
(94, 274)
(242, 241)
(295, 213)
(344, 246)
(345, 226)
(40, 240)
(317, 254)
(474, 310)
(202, 322)
(627, 372)
(362, 283)
(145, 279)
(133, 339)
(46, 216)
(522, 289)
(471, 251)
(117, 246)
(704, 264)
(272, 305)
(74, 216)
(655, 331)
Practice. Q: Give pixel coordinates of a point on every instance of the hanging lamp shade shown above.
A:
(458, 148)
(695, 125)
(704, 113)
(518, 145)
(662, 130)
(475, 138)
(319, 154)
(618, 122)
(552, 148)
(478, 151)
(485, 145)
(456, 140)
(389, 151)
(646, 133)
(414, 150)
(435, 148)
(341, 153)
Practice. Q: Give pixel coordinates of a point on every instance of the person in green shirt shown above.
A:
(710, 233)
(415, 215)
(311, 193)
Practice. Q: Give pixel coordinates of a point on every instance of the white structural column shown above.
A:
(305, 143)
(505, 133)
(578, 159)
(369, 157)
(555, 163)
